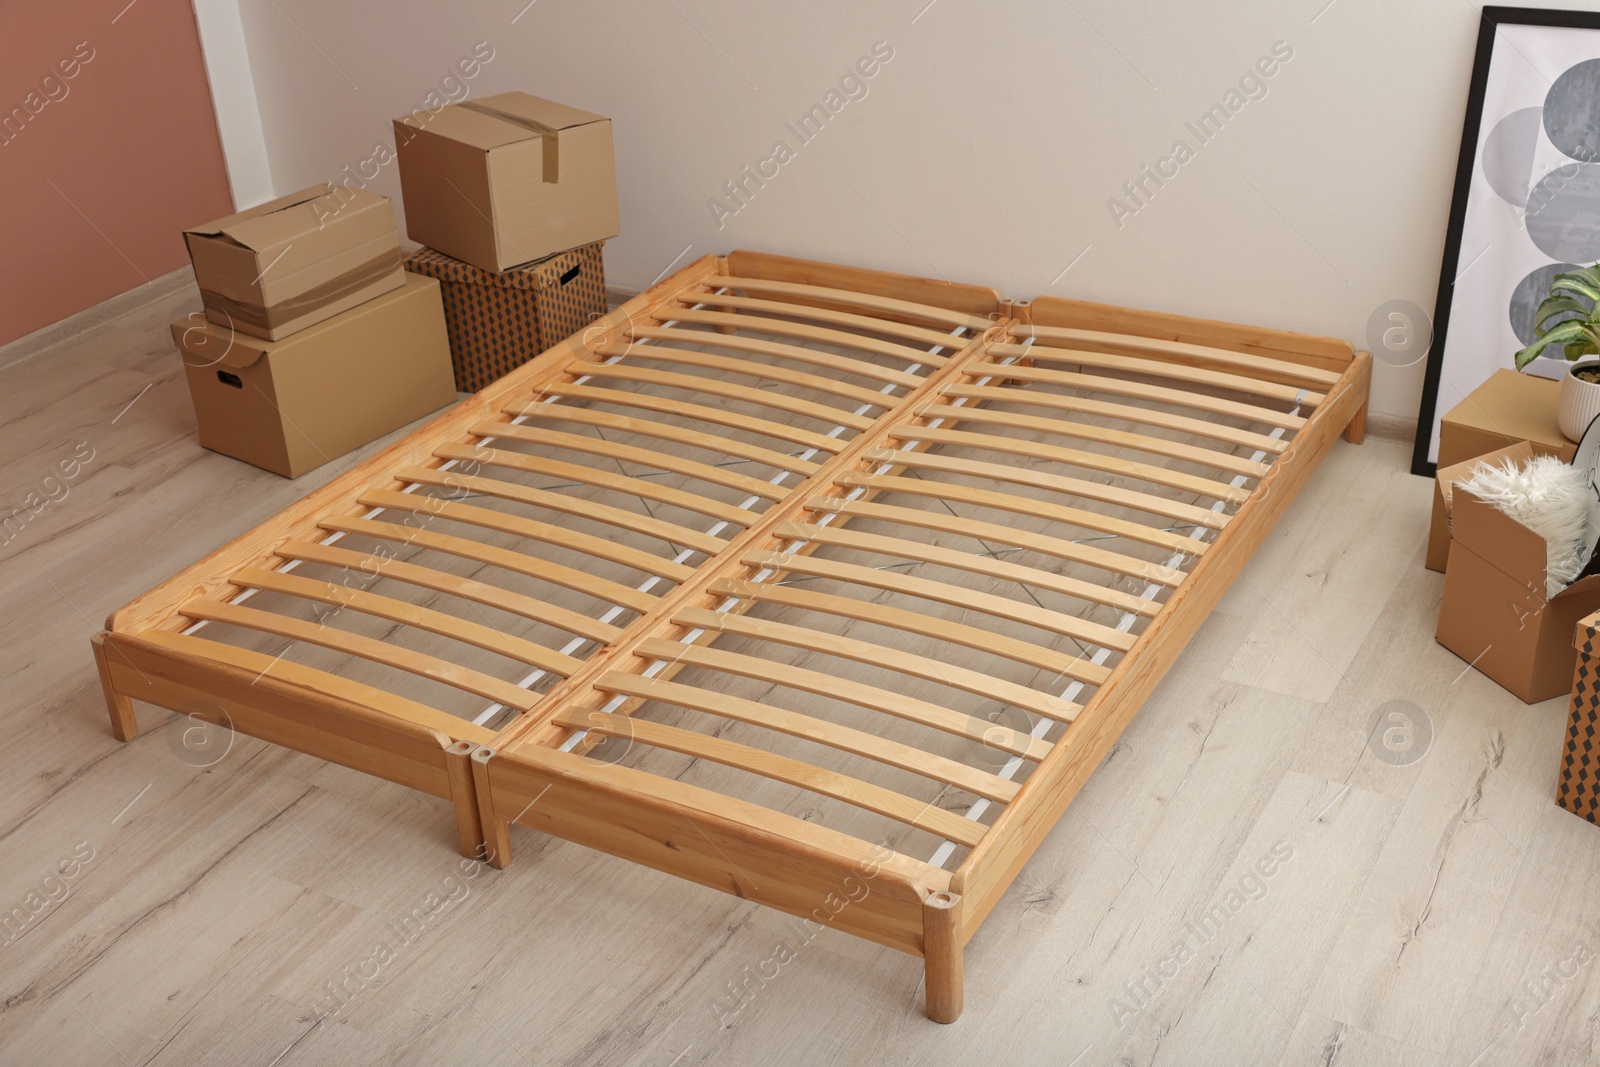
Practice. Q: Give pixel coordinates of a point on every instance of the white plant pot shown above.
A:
(1580, 401)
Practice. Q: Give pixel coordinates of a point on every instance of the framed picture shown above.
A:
(1526, 204)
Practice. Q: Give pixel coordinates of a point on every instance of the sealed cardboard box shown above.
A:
(296, 261)
(1578, 782)
(500, 320)
(1495, 614)
(290, 406)
(506, 180)
(1508, 408)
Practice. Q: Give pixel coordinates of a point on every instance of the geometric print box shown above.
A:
(1578, 788)
(499, 321)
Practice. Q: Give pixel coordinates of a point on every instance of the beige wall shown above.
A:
(987, 149)
(108, 147)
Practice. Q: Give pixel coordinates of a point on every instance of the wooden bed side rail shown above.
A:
(740, 848)
(990, 867)
(209, 577)
(331, 718)
(1328, 353)
(975, 301)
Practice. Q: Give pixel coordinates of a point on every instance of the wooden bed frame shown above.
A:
(1128, 465)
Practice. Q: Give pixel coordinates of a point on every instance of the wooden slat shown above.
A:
(944, 593)
(921, 551)
(1083, 431)
(810, 728)
(768, 398)
(689, 357)
(674, 534)
(467, 588)
(1204, 355)
(209, 576)
(906, 354)
(849, 298)
(367, 648)
(693, 436)
(1046, 659)
(924, 337)
(853, 791)
(473, 515)
(682, 408)
(648, 488)
(1154, 368)
(644, 457)
(1037, 479)
(517, 562)
(317, 681)
(760, 346)
(1092, 555)
(987, 498)
(1023, 446)
(975, 682)
(867, 696)
(438, 622)
(1259, 442)
(1099, 383)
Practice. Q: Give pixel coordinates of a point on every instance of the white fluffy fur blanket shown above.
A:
(1548, 497)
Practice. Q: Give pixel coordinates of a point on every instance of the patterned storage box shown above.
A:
(1579, 787)
(498, 322)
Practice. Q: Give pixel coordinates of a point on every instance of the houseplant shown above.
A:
(1570, 317)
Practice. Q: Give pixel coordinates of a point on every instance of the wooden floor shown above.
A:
(255, 906)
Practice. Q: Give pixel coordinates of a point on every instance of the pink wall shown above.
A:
(99, 171)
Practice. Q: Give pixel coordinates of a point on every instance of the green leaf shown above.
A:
(1564, 334)
(1573, 282)
(1559, 304)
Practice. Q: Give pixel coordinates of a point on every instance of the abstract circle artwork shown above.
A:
(1526, 207)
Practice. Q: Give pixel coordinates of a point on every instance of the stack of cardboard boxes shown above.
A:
(513, 197)
(314, 340)
(318, 336)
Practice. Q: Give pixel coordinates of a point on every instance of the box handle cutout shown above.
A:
(571, 274)
(230, 379)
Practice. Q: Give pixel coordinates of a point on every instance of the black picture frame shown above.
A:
(1493, 19)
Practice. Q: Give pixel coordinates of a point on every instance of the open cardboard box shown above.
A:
(293, 262)
(1508, 408)
(1495, 614)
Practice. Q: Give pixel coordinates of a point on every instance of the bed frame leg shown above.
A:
(464, 795)
(941, 952)
(1356, 430)
(496, 847)
(124, 726)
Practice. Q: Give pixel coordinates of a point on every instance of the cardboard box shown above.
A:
(296, 261)
(290, 406)
(1508, 408)
(506, 180)
(1495, 614)
(1578, 783)
(499, 321)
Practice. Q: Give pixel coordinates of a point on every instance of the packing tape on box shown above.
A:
(336, 288)
(552, 142)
